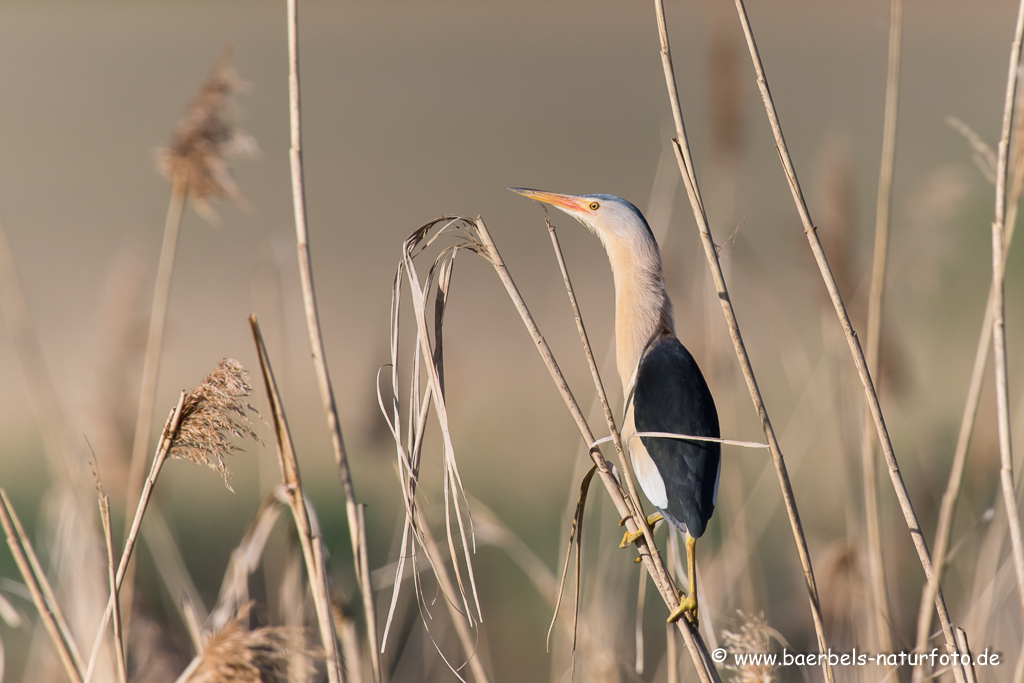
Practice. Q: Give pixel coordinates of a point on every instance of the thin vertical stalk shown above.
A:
(151, 363)
(910, 517)
(122, 674)
(883, 211)
(167, 437)
(998, 313)
(963, 442)
(155, 339)
(316, 342)
(682, 151)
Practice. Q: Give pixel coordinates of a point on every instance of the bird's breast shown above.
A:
(647, 473)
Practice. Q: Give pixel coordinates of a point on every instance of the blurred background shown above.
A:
(414, 110)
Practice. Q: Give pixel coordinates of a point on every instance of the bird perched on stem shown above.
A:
(666, 396)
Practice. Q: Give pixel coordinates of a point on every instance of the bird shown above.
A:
(663, 386)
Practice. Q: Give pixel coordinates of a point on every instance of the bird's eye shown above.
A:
(594, 206)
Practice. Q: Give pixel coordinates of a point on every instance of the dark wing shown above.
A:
(671, 396)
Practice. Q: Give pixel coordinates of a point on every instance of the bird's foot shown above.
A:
(631, 537)
(688, 607)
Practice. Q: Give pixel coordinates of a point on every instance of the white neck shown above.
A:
(642, 307)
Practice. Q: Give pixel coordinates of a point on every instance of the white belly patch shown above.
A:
(646, 471)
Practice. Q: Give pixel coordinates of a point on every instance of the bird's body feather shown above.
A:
(671, 396)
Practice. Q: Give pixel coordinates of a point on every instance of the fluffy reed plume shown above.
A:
(236, 654)
(753, 637)
(212, 412)
(194, 158)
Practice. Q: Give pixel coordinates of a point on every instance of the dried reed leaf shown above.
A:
(194, 158)
(575, 537)
(426, 391)
(213, 412)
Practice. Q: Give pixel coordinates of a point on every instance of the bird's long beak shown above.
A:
(566, 202)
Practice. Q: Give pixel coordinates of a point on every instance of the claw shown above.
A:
(631, 537)
(688, 607)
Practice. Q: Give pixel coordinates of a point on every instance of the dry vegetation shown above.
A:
(281, 614)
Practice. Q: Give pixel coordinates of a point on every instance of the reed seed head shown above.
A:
(212, 413)
(195, 157)
(236, 654)
(754, 636)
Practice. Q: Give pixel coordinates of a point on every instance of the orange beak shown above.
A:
(566, 202)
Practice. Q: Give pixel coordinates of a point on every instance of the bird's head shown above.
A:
(613, 219)
(642, 306)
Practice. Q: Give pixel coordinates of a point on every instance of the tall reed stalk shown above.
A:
(999, 325)
(686, 169)
(352, 511)
(903, 496)
(883, 211)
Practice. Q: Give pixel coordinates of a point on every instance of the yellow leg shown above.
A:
(688, 604)
(630, 538)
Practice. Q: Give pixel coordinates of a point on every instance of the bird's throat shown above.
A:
(642, 309)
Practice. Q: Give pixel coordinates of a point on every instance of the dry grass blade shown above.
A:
(454, 494)
(122, 674)
(39, 588)
(638, 628)
(311, 542)
(984, 157)
(426, 391)
(575, 538)
(682, 151)
(910, 517)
